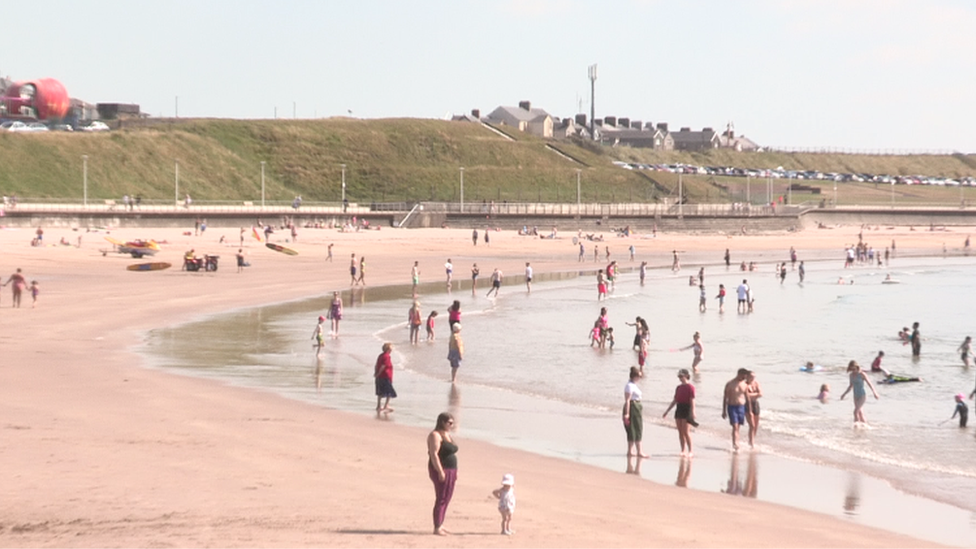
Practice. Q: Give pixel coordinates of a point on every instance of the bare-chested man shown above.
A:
(734, 404)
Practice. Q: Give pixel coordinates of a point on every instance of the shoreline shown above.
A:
(482, 414)
(156, 456)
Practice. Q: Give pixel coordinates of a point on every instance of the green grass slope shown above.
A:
(397, 160)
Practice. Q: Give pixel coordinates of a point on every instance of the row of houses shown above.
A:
(611, 130)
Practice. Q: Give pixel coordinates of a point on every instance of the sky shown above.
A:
(863, 75)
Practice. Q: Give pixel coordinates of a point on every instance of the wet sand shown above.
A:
(101, 451)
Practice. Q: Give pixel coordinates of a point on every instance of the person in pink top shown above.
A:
(684, 413)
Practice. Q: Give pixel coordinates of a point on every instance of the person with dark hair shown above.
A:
(442, 467)
(454, 313)
(684, 413)
(633, 415)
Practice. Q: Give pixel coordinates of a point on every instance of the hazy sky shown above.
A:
(881, 74)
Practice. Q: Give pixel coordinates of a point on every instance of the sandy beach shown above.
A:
(100, 450)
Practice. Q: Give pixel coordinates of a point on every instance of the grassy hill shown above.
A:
(394, 160)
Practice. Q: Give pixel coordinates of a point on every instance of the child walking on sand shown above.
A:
(430, 325)
(35, 290)
(506, 503)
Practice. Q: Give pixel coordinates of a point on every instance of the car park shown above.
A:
(14, 126)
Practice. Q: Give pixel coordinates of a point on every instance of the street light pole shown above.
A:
(262, 184)
(177, 191)
(84, 178)
(578, 194)
(343, 188)
(462, 189)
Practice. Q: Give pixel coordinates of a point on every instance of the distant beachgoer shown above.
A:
(455, 351)
(449, 271)
(19, 285)
(430, 325)
(684, 413)
(793, 257)
(802, 272)
(632, 251)
(595, 334)
(362, 270)
(633, 415)
(727, 257)
(506, 503)
(824, 393)
(610, 339)
(240, 260)
(596, 253)
(643, 272)
(383, 375)
(352, 270)
(454, 313)
(327, 258)
(442, 467)
(242, 237)
(604, 325)
(335, 312)
(474, 237)
(675, 262)
(638, 332)
(965, 350)
(487, 241)
(415, 276)
(734, 400)
(857, 381)
(721, 298)
(582, 252)
(318, 335)
(876, 364)
(702, 298)
(782, 272)
(414, 321)
(742, 292)
(961, 410)
(474, 278)
(701, 275)
(642, 355)
(753, 394)
(905, 335)
(608, 252)
(698, 350)
(496, 282)
(612, 274)
(916, 340)
(601, 286)
(528, 276)
(35, 290)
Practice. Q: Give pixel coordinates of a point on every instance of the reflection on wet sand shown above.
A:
(852, 494)
(454, 402)
(684, 471)
(634, 465)
(735, 485)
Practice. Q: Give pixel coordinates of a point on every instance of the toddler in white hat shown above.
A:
(506, 502)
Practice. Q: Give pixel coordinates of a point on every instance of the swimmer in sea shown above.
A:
(961, 410)
(904, 335)
(698, 349)
(876, 365)
(824, 393)
(965, 350)
(857, 381)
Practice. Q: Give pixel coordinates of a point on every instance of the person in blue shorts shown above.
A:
(734, 403)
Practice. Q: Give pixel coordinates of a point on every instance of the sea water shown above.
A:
(531, 380)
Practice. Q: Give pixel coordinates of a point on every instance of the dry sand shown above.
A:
(99, 450)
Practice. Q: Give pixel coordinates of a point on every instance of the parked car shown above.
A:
(14, 126)
(95, 126)
(62, 128)
(37, 127)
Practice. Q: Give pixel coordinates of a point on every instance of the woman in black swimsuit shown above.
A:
(442, 467)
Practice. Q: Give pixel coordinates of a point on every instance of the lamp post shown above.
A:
(262, 184)
(177, 191)
(578, 194)
(84, 179)
(343, 188)
(462, 189)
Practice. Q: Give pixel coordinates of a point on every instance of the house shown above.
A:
(475, 116)
(634, 133)
(525, 118)
(687, 140)
(728, 140)
(569, 128)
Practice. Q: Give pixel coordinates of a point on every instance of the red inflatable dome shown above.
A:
(43, 99)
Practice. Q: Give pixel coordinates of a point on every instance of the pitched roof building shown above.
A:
(525, 118)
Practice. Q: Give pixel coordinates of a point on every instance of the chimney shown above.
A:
(476, 113)
(636, 124)
(527, 105)
(648, 125)
(624, 123)
(663, 126)
(610, 120)
(683, 130)
(581, 120)
(708, 130)
(598, 122)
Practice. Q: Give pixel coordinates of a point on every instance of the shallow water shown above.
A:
(530, 379)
